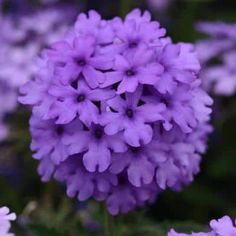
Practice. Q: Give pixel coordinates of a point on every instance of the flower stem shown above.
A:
(109, 224)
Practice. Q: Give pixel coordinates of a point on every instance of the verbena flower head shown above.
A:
(22, 38)
(222, 227)
(217, 55)
(5, 218)
(118, 111)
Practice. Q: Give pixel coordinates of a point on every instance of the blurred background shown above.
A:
(43, 208)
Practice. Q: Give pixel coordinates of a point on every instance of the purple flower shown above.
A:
(82, 183)
(46, 169)
(139, 162)
(23, 43)
(174, 233)
(217, 29)
(80, 58)
(178, 152)
(180, 64)
(5, 218)
(96, 146)
(186, 117)
(221, 227)
(8, 98)
(132, 71)
(35, 92)
(221, 78)
(47, 138)
(21, 40)
(120, 195)
(93, 25)
(125, 197)
(136, 31)
(218, 78)
(132, 118)
(119, 114)
(80, 97)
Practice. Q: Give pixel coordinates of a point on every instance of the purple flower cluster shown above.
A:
(217, 55)
(22, 38)
(5, 218)
(221, 227)
(118, 111)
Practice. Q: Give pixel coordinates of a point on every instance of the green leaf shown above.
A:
(40, 230)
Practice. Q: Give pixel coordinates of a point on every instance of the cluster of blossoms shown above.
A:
(118, 111)
(22, 38)
(221, 227)
(5, 218)
(217, 55)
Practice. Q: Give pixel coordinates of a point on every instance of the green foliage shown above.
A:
(41, 230)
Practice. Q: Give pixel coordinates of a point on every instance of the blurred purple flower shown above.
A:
(133, 121)
(217, 55)
(21, 39)
(159, 5)
(222, 227)
(8, 98)
(3, 131)
(5, 218)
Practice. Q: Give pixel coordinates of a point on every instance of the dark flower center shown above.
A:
(122, 180)
(135, 150)
(80, 98)
(81, 62)
(59, 130)
(31, 35)
(74, 84)
(98, 133)
(133, 44)
(130, 73)
(129, 113)
(161, 130)
(61, 64)
(165, 101)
